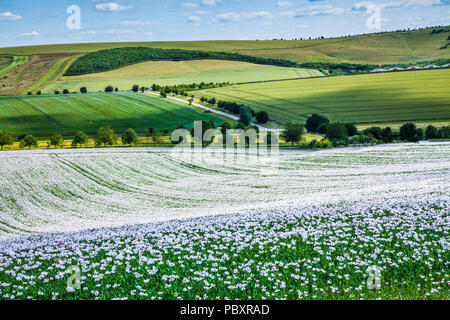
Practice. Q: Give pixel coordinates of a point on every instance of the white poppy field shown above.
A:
(143, 224)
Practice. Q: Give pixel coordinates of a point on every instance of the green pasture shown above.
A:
(67, 114)
(369, 98)
(262, 73)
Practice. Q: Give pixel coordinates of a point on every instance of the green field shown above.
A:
(17, 61)
(380, 48)
(67, 114)
(370, 98)
(180, 72)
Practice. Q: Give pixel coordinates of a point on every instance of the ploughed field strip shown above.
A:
(67, 114)
(235, 229)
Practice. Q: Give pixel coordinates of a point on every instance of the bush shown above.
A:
(109, 89)
(135, 88)
(65, 91)
(83, 90)
(262, 117)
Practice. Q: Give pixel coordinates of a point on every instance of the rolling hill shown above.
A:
(378, 48)
(361, 99)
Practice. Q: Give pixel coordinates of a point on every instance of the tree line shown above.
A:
(341, 134)
(109, 59)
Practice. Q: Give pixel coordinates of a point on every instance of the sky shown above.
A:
(25, 22)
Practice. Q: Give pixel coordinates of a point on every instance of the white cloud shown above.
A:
(284, 4)
(189, 5)
(202, 12)
(137, 23)
(235, 17)
(316, 10)
(193, 19)
(30, 34)
(364, 5)
(210, 2)
(9, 16)
(111, 6)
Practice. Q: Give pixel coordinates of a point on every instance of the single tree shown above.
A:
(39, 93)
(56, 92)
(6, 139)
(351, 129)
(336, 131)
(109, 89)
(293, 132)
(315, 121)
(79, 139)
(129, 137)
(156, 136)
(65, 91)
(105, 136)
(431, 132)
(56, 140)
(245, 115)
(387, 135)
(262, 117)
(83, 90)
(28, 142)
(135, 88)
(408, 132)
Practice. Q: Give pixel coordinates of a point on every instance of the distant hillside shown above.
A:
(378, 48)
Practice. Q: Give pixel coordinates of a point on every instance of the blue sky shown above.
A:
(44, 21)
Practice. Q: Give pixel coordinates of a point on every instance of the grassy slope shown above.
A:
(17, 61)
(392, 47)
(66, 114)
(372, 98)
(56, 72)
(168, 73)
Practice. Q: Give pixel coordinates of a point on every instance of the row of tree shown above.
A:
(339, 133)
(110, 59)
(105, 136)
